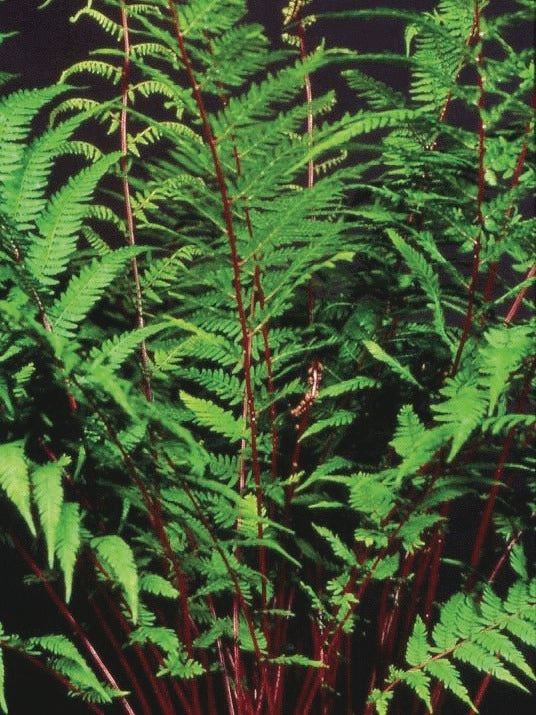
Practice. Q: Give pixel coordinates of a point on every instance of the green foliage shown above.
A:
(259, 358)
(475, 632)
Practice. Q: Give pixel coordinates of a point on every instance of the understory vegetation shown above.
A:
(266, 366)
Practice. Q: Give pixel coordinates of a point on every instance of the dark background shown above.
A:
(46, 44)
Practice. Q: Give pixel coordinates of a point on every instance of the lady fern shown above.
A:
(259, 359)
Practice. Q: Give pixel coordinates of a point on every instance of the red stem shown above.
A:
(236, 266)
(123, 660)
(476, 35)
(520, 298)
(498, 476)
(125, 85)
(492, 274)
(75, 627)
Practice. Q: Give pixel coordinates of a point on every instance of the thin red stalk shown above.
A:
(492, 273)
(481, 691)
(259, 295)
(157, 684)
(156, 521)
(334, 629)
(123, 129)
(120, 655)
(155, 516)
(468, 322)
(520, 297)
(221, 658)
(113, 606)
(437, 550)
(310, 128)
(501, 561)
(236, 266)
(486, 680)
(238, 591)
(388, 619)
(74, 625)
(498, 476)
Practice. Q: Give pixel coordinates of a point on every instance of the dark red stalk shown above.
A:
(258, 295)
(120, 655)
(157, 684)
(157, 687)
(516, 305)
(501, 561)
(476, 36)
(74, 625)
(486, 680)
(498, 477)
(125, 85)
(492, 274)
(156, 522)
(238, 591)
(236, 266)
(481, 691)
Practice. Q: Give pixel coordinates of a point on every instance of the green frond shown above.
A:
(93, 67)
(15, 480)
(17, 114)
(214, 417)
(371, 495)
(157, 585)
(462, 408)
(118, 559)
(68, 541)
(24, 190)
(48, 497)
(66, 659)
(85, 290)
(377, 94)
(112, 28)
(502, 355)
(339, 419)
(446, 673)
(427, 279)
(113, 352)
(62, 220)
(379, 353)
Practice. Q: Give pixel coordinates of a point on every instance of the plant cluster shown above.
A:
(266, 370)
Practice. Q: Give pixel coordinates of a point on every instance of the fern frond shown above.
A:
(427, 278)
(17, 113)
(62, 220)
(462, 409)
(48, 496)
(15, 480)
(503, 353)
(67, 660)
(118, 560)
(208, 414)
(85, 290)
(68, 540)
(379, 353)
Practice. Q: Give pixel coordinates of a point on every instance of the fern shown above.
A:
(48, 496)
(283, 338)
(59, 224)
(472, 633)
(68, 542)
(15, 481)
(118, 558)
